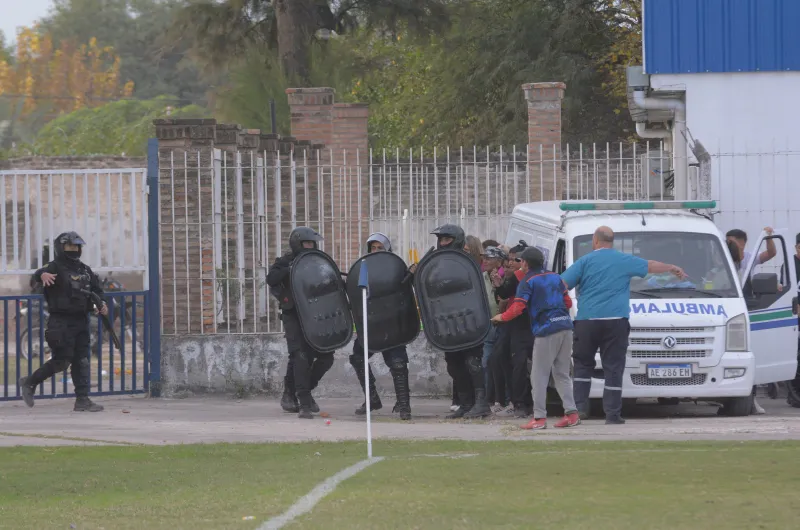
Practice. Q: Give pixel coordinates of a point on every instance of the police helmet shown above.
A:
(69, 238)
(381, 238)
(300, 234)
(450, 230)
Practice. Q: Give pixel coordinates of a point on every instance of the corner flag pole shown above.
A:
(363, 284)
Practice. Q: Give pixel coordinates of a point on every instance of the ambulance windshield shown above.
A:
(701, 256)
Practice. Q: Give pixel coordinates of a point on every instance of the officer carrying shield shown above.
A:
(66, 282)
(395, 358)
(307, 363)
(451, 283)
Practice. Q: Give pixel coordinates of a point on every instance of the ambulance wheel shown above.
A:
(741, 406)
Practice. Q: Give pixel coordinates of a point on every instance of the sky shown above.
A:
(14, 13)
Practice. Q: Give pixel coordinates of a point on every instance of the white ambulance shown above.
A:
(710, 337)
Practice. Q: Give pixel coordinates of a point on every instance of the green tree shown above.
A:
(136, 30)
(464, 88)
(120, 127)
(221, 31)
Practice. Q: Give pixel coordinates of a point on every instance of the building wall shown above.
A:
(747, 122)
(694, 36)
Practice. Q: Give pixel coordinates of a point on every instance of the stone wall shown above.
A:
(257, 364)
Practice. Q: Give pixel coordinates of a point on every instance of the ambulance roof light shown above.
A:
(637, 205)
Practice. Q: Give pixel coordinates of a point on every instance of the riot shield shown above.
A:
(452, 300)
(392, 314)
(321, 301)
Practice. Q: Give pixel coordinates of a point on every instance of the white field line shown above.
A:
(307, 502)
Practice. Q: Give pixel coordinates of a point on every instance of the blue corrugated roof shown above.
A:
(695, 36)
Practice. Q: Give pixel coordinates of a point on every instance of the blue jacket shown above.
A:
(547, 300)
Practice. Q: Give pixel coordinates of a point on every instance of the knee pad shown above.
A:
(299, 356)
(474, 365)
(59, 365)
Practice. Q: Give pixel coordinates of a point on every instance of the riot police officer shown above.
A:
(66, 281)
(307, 364)
(464, 366)
(395, 358)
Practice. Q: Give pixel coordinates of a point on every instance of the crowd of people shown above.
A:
(532, 337)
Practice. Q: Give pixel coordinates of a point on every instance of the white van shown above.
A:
(699, 339)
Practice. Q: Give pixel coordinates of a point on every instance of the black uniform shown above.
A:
(464, 366)
(307, 364)
(395, 358)
(67, 331)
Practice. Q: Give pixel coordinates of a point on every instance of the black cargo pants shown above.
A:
(308, 365)
(68, 338)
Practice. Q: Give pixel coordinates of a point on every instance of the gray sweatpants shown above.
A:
(552, 353)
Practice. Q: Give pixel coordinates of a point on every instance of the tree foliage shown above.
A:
(120, 127)
(45, 79)
(290, 28)
(624, 20)
(136, 29)
(464, 88)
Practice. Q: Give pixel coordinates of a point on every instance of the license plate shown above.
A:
(669, 371)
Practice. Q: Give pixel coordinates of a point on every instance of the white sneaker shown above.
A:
(497, 407)
(757, 409)
(454, 408)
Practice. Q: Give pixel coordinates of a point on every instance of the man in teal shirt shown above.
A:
(603, 279)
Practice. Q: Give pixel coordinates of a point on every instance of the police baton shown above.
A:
(363, 284)
(98, 302)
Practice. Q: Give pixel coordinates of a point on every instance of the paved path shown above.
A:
(139, 420)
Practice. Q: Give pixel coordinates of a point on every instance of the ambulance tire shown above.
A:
(741, 406)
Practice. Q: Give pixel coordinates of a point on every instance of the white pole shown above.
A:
(363, 283)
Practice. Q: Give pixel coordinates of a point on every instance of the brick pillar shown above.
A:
(185, 155)
(544, 139)
(311, 112)
(350, 147)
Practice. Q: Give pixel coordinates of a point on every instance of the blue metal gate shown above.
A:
(134, 368)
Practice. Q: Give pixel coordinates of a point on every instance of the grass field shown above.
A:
(521, 485)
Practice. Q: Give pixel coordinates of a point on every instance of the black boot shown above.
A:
(289, 399)
(289, 402)
(305, 406)
(466, 404)
(481, 407)
(400, 379)
(26, 390)
(84, 404)
(314, 406)
(374, 398)
(374, 403)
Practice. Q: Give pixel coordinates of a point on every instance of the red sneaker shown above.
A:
(535, 424)
(569, 420)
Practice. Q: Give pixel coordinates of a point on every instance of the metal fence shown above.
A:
(225, 218)
(113, 371)
(108, 207)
